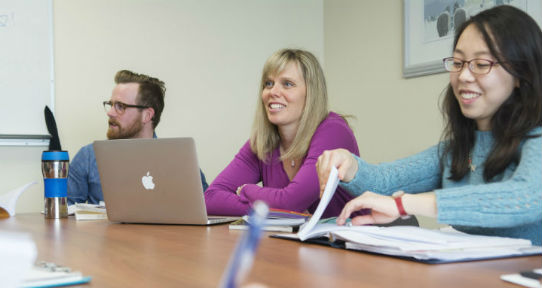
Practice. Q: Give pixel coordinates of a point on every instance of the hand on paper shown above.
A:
(383, 209)
(346, 164)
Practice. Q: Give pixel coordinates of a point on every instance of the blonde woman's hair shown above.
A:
(264, 137)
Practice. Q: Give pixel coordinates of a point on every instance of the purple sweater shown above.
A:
(301, 194)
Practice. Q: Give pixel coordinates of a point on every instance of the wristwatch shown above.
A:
(398, 197)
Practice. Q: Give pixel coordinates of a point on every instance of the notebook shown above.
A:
(154, 181)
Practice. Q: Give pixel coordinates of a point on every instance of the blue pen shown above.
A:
(242, 259)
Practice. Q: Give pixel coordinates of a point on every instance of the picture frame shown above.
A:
(425, 43)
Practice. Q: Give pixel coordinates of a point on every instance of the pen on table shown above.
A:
(243, 256)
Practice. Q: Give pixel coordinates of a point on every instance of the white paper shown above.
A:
(524, 281)
(38, 277)
(84, 211)
(331, 186)
(8, 200)
(446, 246)
(72, 209)
(279, 221)
(520, 280)
(17, 253)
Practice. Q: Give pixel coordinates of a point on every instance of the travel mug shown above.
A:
(54, 166)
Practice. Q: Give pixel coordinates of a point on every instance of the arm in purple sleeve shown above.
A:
(220, 197)
(304, 190)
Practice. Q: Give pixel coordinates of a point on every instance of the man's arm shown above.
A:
(78, 174)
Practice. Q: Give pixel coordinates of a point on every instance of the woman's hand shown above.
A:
(342, 159)
(383, 209)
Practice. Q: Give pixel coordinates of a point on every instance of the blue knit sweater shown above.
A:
(509, 205)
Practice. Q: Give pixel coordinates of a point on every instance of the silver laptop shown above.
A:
(152, 181)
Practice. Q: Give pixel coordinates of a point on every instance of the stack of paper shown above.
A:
(277, 220)
(424, 244)
(90, 212)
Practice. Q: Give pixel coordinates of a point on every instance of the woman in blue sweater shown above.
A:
(485, 177)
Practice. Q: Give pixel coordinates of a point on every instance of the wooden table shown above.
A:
(135, 255)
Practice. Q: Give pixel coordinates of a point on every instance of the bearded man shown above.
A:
(134, 111)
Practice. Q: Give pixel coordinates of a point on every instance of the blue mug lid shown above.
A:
(55, 155)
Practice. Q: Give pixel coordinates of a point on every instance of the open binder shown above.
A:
(407, 242)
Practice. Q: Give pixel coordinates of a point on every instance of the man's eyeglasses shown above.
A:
(476, 66)
(120, 107)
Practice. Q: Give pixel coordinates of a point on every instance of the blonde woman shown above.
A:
(291, 128)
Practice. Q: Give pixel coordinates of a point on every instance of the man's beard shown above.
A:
(119, 132)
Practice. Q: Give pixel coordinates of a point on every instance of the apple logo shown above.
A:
(147, 182)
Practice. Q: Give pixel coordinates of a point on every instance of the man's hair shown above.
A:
(265, 137)
(151, 91)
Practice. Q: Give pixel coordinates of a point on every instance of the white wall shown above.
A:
(363, 52)
(208, 52)
(395, 117)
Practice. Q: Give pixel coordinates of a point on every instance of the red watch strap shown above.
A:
(399, 203)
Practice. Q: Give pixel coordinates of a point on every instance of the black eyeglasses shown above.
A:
(120, 107)
(476, 66)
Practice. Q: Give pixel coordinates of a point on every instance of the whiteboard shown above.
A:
(26, 70)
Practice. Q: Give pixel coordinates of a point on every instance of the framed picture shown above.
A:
(429, 28)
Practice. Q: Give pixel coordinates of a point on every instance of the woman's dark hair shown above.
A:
(515, 40)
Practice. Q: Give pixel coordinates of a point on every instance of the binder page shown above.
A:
(331, 186)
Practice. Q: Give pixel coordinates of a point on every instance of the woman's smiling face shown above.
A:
(284, 96)
(479, 96)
